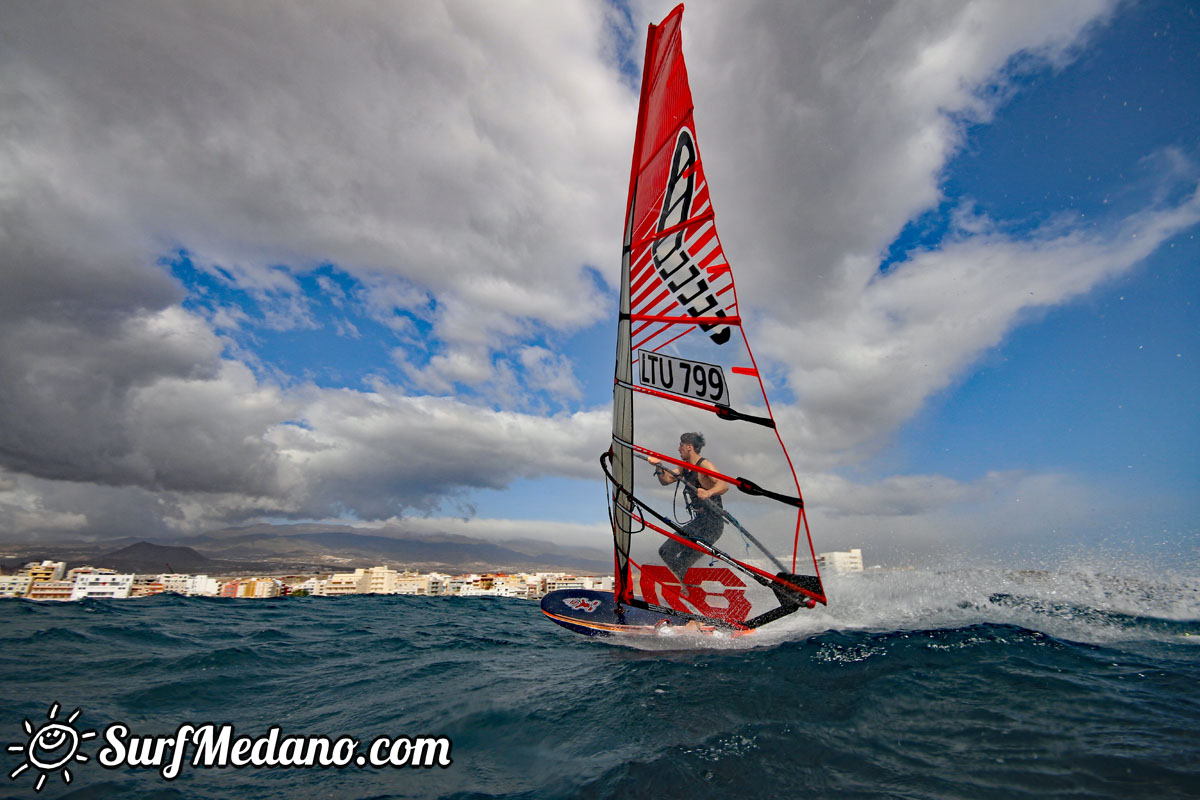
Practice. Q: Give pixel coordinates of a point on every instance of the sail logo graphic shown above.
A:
(691, 596)
(51, 747)
(672, 260)
(582, 604)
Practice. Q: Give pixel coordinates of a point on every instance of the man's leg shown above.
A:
(678, 558)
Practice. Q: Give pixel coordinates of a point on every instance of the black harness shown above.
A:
(711, 508)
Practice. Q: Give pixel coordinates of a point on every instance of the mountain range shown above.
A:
(310, 547)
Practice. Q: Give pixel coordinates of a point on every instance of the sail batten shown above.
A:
(702, 218)
(687, 320)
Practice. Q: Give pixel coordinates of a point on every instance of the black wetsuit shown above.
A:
(707, 525)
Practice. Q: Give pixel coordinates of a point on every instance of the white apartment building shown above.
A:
(538, 581)
(314, 586)
(174, 582)
(596, 583)
(512, 586)
(496, 586)
(841, 562)
(72, 574)
(146, 585)
(605, 583)
(340, 583)
(44, 570)
(14, 585)
(200, 586)
(381, 580)
(51, 590)
(563, 582)
(101, 586)
(415, 583)
(462, 584)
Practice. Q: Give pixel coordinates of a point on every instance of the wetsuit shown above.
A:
(707, 525)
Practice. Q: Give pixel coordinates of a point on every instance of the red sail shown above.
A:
(717, 531)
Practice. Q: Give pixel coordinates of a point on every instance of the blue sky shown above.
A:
(1111, 377)
(313, 282)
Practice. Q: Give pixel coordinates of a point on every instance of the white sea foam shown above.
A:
(1071, 601)
(1083, 603)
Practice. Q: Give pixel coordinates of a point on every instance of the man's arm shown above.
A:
(710, 486)
(665, 476)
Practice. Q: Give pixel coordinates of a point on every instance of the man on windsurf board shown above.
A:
(703, 494)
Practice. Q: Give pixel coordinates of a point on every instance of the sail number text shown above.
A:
(680, 376)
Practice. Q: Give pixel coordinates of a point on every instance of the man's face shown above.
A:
(685, 450)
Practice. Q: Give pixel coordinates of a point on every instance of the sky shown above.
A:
(357, 262)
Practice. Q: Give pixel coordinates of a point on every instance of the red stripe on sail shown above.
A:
(665, 232)
(653, 304)
(636, 285)
(654, 335)
(639, 273)
(663, 295)
(706, 235)
(686, 331)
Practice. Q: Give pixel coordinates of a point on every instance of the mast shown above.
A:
(622, 427)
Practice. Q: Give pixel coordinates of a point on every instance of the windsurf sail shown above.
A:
(683, 365)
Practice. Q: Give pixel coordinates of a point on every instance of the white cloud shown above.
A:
(380, 454)
(24, 511)
(568, 534)
(898, 495)
(447, 150)
(867, 365)
(548, 372)
(465, 162)
(827, 128)
(916, 517)
(464, 147)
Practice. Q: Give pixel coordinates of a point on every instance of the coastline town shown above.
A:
(52, 581)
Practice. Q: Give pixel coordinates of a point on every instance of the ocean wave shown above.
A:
(937, 683)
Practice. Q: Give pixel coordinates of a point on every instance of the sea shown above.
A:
(970, 682)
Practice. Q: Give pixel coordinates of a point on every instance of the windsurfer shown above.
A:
(703, 493)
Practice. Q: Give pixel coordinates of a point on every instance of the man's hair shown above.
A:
(696, 440)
